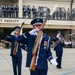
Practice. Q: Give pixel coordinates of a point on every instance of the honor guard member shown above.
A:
(16, 58)
(43, 52)
(58, 48)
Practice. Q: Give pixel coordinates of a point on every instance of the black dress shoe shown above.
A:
(59, 67)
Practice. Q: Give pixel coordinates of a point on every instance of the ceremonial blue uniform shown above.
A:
(16, 59)
(43, 53)
(59, 51)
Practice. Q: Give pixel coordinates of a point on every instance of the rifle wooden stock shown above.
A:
(37, 42)
(56, 43)
(60, 40)
(33, 61)
(35, 48)
(14, 51)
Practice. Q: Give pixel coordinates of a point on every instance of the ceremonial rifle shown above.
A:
(57, 42)
(15, 45)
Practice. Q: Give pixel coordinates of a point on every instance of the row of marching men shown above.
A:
(26, 41)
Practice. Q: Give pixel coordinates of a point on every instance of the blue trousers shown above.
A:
(59, 57)
(38, 72)
(16, 62)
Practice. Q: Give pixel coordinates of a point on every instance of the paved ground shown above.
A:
(68, 63)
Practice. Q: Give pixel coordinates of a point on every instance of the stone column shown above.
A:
(20, 8)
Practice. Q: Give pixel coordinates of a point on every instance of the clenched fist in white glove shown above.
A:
(58, 35)
(34, 31)
(13, 33)
(53, 61)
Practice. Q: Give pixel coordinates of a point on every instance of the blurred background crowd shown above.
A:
(60, 14)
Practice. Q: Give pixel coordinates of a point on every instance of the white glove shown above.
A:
(58, 35)
(13, 33)
(53, 61)
(34, 31)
